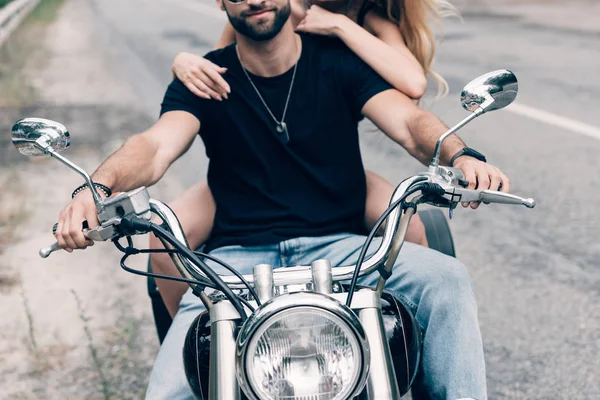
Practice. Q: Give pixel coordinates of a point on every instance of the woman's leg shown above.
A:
(195, 210)
(379, 193)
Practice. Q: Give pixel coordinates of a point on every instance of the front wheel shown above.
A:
(438, 231)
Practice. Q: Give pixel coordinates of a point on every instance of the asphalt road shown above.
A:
(536, 272)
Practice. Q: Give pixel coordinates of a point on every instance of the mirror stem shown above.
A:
(435, 162)
(88, 179)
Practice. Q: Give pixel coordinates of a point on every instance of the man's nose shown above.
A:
(256, 3)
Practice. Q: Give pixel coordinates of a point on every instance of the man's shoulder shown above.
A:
(323, 43)
(221, 56)
(328, 52)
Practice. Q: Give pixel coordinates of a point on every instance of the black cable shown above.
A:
(132, 250)
(363, 251)
(174, 278)
(233, 271)
(198, 253)
(138, 224)
(247, 303)
(159, 276)
(222, 263)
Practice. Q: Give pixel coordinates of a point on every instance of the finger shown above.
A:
(495, 181)
(208, 81)
(66, 233)
(207, 90)
(89, 242)
(505, 183)
(217, 83)
(483, 179)
(58, 234)
(213, 66)
(483, 182)
(92, 222)
(191, 83)
(75, 231)
(78, 236)
(91, 219)
(471, 177)
(219, 80)
(197, 91)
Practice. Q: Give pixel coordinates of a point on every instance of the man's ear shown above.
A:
(220, 4)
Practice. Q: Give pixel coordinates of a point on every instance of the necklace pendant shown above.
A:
(283, 131)
(281, 127)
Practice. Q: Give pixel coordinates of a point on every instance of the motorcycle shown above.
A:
(302, 332)
(437, 231)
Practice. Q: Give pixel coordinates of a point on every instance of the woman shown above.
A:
(392, 36)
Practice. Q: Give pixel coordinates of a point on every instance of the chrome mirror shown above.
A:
(492, 91)
(38, 136)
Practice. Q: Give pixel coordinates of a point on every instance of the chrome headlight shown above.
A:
(302, 346)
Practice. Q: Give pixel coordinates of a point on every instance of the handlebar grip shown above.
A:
(46, 251)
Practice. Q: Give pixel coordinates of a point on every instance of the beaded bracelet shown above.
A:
(103, 188)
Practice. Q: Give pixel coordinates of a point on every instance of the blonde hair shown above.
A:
(415, 19)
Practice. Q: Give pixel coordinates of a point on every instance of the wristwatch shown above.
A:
(467, 151)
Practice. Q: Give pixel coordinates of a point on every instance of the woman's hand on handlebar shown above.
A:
(482, 176)
(70, 234)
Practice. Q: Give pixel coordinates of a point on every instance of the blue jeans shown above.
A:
(435, 286)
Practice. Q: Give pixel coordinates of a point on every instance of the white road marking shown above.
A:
(555, 120)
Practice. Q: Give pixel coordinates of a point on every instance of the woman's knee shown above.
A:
(416, 231)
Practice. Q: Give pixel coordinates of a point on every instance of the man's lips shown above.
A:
(258, 13)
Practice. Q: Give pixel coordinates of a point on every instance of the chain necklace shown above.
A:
(281, 126)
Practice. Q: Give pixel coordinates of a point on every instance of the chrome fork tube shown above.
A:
(381, 383)
(223, 383)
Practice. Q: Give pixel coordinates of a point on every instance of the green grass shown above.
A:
(4, 2)
(46, 11)
(23, 44)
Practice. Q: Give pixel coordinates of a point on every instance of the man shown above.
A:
(287, 177)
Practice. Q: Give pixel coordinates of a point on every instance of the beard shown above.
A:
(262, 31)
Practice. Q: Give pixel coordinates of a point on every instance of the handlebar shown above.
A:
(453, 194)
(46, 251)
(302, 274)
(297, 274)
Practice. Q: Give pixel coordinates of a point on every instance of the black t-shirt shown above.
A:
(266, 189)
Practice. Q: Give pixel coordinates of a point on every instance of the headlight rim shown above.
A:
(299, 300)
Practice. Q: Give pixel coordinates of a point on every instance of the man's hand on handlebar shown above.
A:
(70, 232)
(481, 176)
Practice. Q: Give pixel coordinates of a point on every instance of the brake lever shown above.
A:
(96, 234)
(461, 195)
